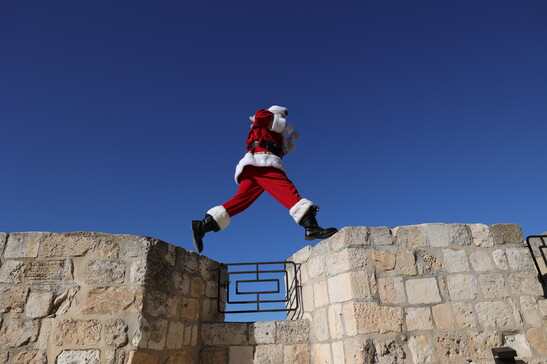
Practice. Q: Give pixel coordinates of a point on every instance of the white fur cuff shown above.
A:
(278, 123)
(299, 209)
(220, 215)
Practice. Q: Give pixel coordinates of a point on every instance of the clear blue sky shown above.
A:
(130, 116)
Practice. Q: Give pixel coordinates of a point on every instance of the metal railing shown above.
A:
(258, 287)
(537, 250)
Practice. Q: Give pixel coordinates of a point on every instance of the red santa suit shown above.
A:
(262, 169)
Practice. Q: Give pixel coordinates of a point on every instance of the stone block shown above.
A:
(302, 256)
(175, 335)
(452, 345)
(336, 322)
(77, 332)
(418, 318)
(292, 332)
(349, 259)
(30, 357)
(391, 290)
(422, 290)
(421, 349)
(297, 354)
(347, 286)
(493, 285)
(443, 316)
(63, 301)
(321, 353)
(506, 233)
(519, 343)
(213, 355)
(481, 261)
(68, 244)
(17, 332)
(525, 283)
(86, 356)
(3, 240)
(162, 304)
(367, 317)
(268, 354)
(494, 314)
(136, 246)
(464, 315)
(113, 299)
(178, 358)
(11, 272)
(320, 326)
(38, 271)
(154, 334)
(197, 287)
(316, 266)
(482, 342)
(108, 249)
(519, 259)
(136, 357)
(389, 352)
(105, 271)
(462, 287)
(262, 332)
(481, 235)
(358, 350)
(500, 259)
(410, 236)
(12, 298)
(381, 235)
(308, 303)
(538, 339)
(363, 285)
(460, 234)
(241, 355)
(338, 354)
(455, 261)
(357, 236)
(24, 245)
(115, 333)
(190, 309)
(405, 263)
(529, 307)
(437, 235)
(427, 263)
(228, 333)
(383, 260)
(39, 304)
(320, 294)
(137, 271)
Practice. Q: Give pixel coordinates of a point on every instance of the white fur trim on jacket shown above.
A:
(299, 209)
(278, 123)
(258, 160)
(221, 216)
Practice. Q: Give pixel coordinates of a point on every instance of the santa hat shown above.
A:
(279, 110)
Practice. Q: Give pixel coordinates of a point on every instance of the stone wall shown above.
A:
(102, 298)
(432, 293)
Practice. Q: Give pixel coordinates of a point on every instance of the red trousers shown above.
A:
(254, 181)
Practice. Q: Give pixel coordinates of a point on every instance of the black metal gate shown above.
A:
(537, 246)
(259, 287)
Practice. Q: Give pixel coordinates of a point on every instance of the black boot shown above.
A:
(313, 230)
(199, 228)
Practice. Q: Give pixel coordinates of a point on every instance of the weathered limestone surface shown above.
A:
(435, 293)
(431, 293)
(100, 298)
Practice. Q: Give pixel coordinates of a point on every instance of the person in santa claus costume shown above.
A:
(262, 169)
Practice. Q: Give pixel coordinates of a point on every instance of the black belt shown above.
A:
(269, 146)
